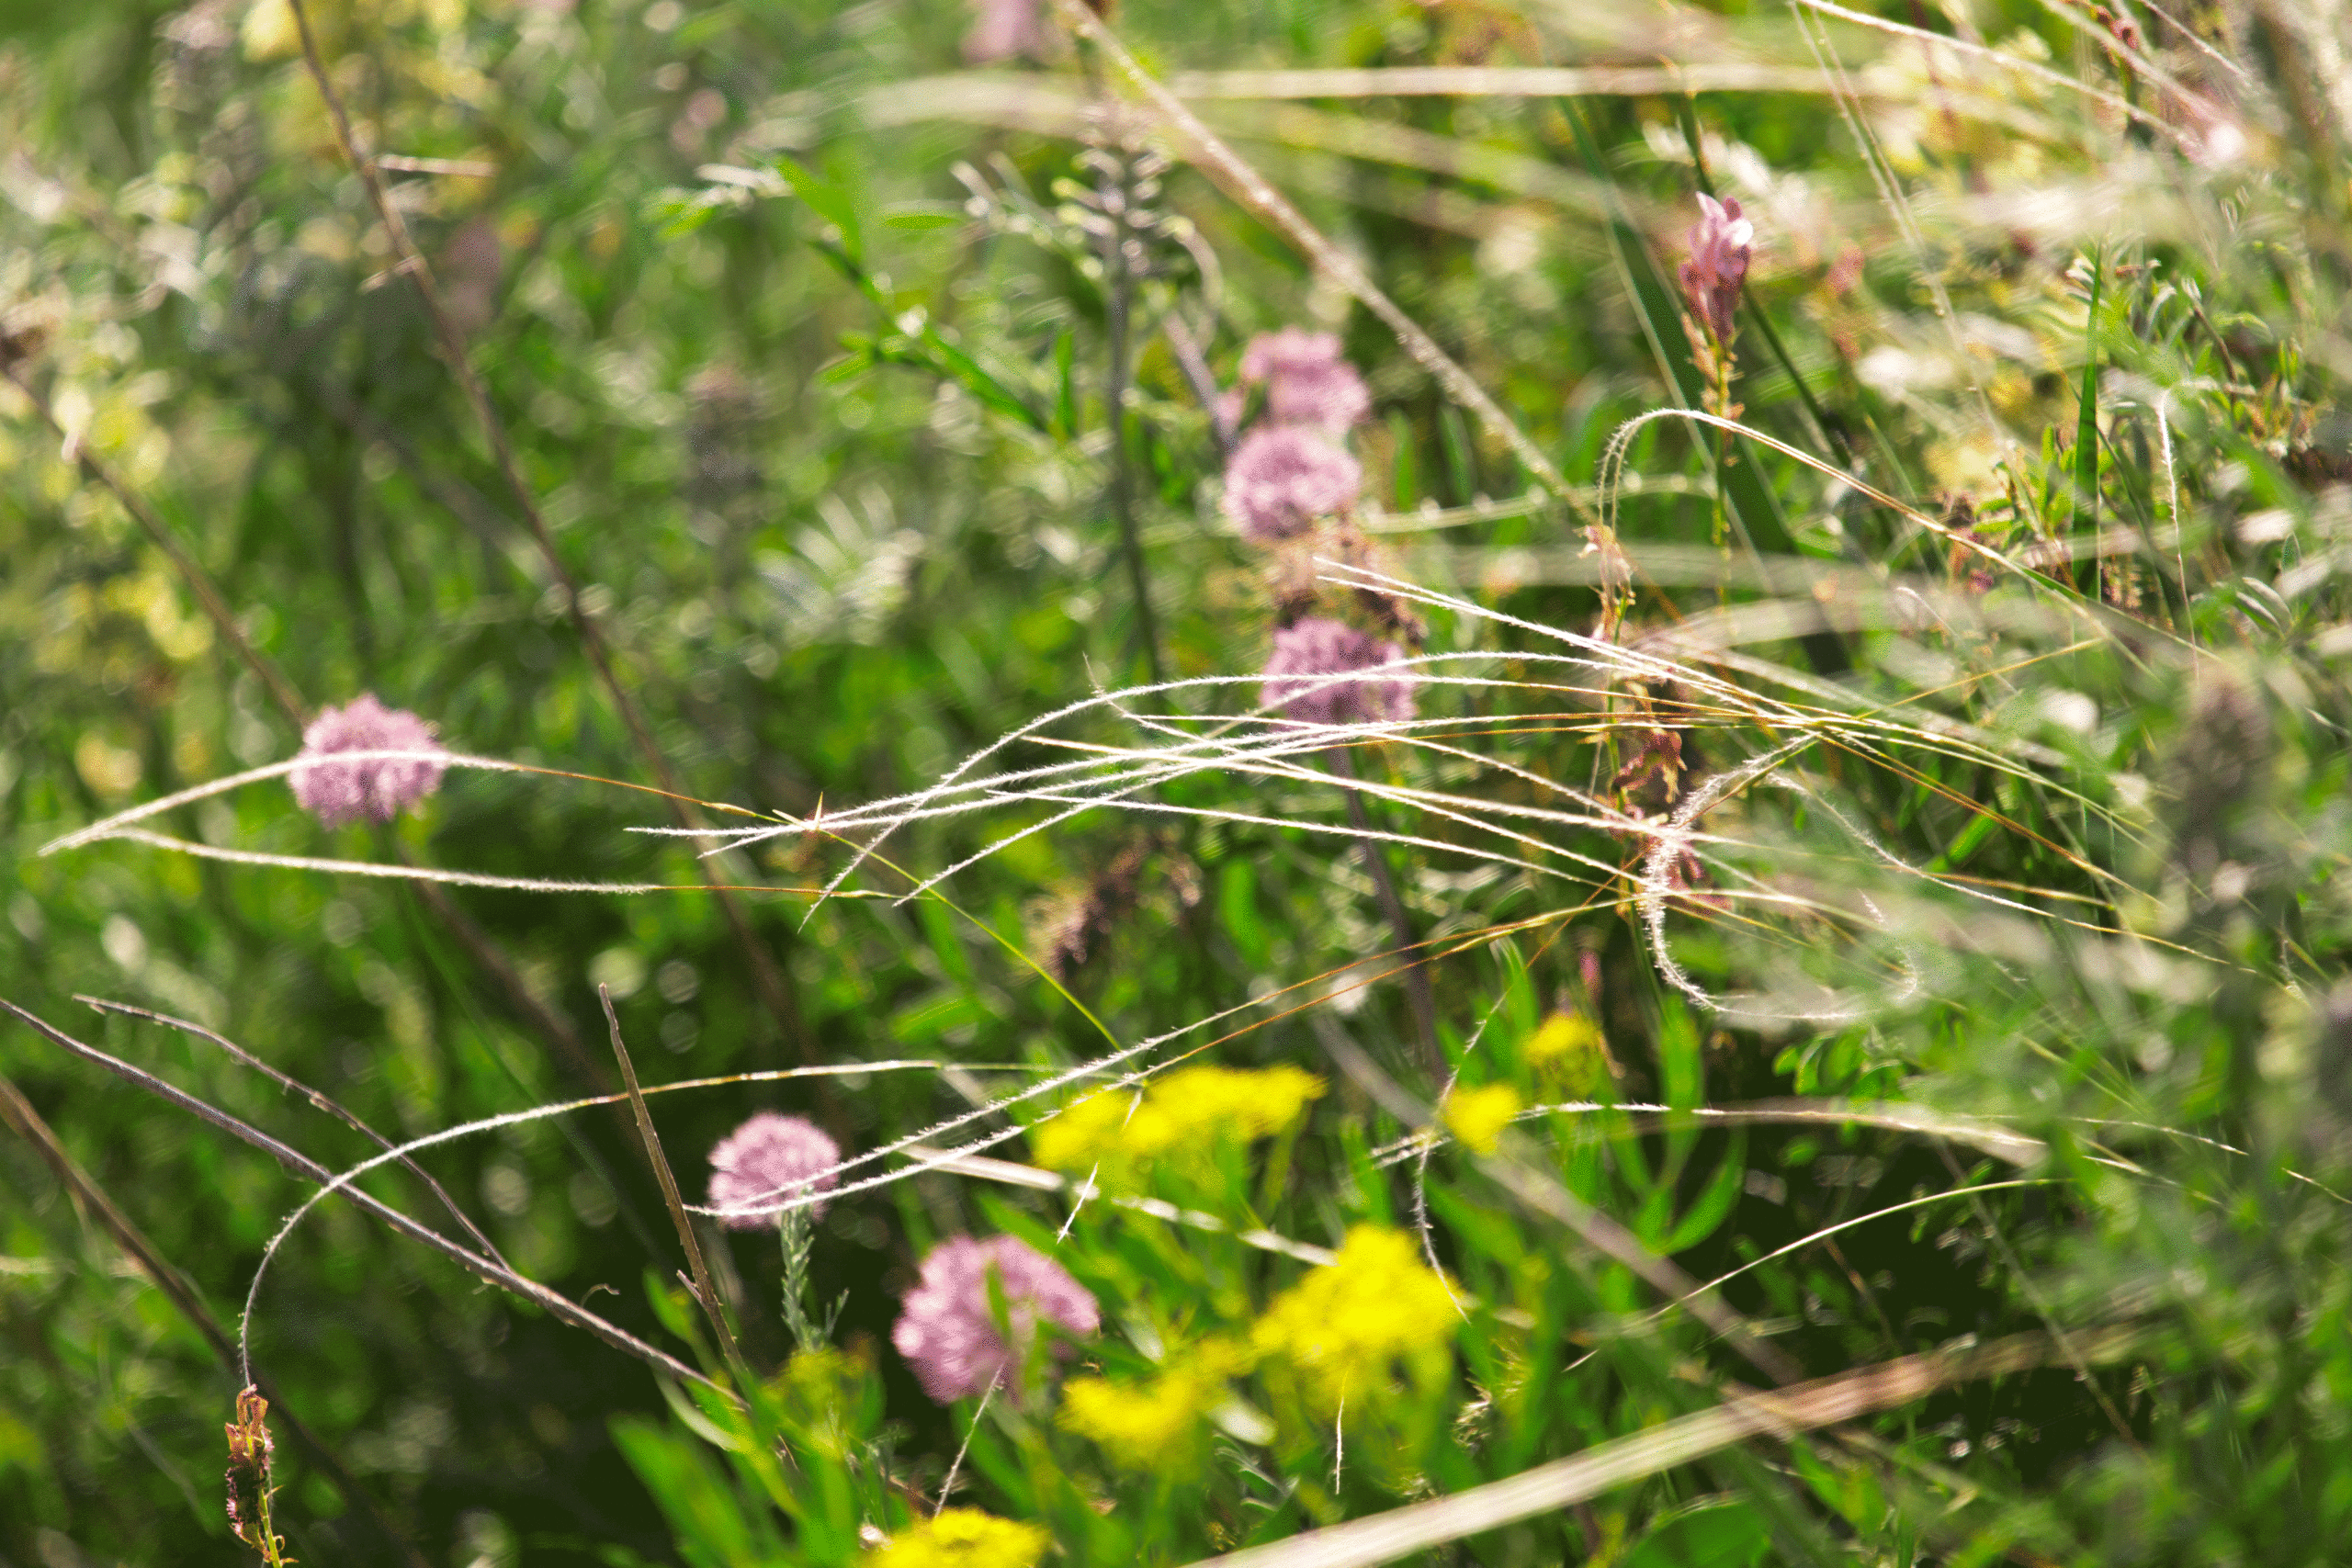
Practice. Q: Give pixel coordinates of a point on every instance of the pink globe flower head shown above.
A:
(948, 1334)
(766, 1162)
(1307, 382)
(1005, 28)
(1720, 244)
(1313, 650)
(337, 793)
(1282, 477)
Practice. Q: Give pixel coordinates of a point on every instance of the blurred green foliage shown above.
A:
(804, 335)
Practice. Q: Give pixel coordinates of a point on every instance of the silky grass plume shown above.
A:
(1282, 477)
(1313, 650)
(962, 1537)
(948, 1330)
(767, 1161)
(337, 793)
(1307, 382)
(1346, 1324)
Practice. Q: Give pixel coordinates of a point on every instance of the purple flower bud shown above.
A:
(1721, 242)
(1283, 478)
(1314, 648)
(1306, 382)
(336, 793)
(770, 1159)
(948, 1334)
(1005, 28)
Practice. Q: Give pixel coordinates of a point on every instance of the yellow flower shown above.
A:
(1084, 1132)
(1570, 1053)
(819, 1388)
(1478, 1116)
(1152, 1425)
(1347, 1323)
(269, 32)
(1179, 1116)
(962, 1537)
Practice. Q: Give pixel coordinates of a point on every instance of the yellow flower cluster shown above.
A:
(819, 1388)
(1478, 1116)
(1179, 1117)
(1346, 1323)
(1152, 1425)
(1570, 1053)
(962, 1537)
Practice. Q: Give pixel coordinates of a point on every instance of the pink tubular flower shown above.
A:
(1314, 648)
(1006, 28)
(1306, 382)
(1280, 479)
(336, 793)
(767, 1160)
(948, 1334)
(1721, 242)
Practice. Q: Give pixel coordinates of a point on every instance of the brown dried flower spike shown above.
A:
(248, 1479)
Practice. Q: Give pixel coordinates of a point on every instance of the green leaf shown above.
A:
(2086, 418)
(924, 219)
(1723, 1535)
(1715, 1204)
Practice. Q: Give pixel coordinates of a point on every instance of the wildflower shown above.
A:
(1282, 477)
(1005, 28)
(821, 1390)
(1181, 1116)
(1720, 244)
(962, 1537)
(1155, 1425)
(250, 1486)
(1311, 650)
(1307, 382)
(766, 1161)
(337, 793)
(1478, 1116)
(1568, 1051)
(1346, 1323)
(949, 1332)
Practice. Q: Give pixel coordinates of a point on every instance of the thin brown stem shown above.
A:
(556, 1304)
(1254, 191)
(1118, 300)
(1195, 366)
(200, 581)
(317, 1101)
(705, 1291)
(768, 981)
(486, 952)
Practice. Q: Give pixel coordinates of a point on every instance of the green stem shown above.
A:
(1116, 306)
